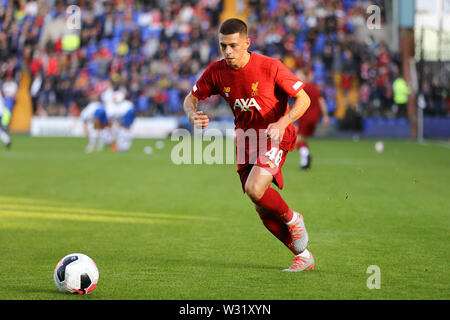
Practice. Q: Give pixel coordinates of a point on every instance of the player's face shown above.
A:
(234, 49)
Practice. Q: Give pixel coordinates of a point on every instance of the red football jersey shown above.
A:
(257, 93)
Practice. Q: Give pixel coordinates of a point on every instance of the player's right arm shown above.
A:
(197, 118)
(204, 87)
(324, 109)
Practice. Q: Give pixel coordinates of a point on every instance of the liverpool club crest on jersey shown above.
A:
(255, 89)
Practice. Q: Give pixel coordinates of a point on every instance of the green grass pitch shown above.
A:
(161, 231)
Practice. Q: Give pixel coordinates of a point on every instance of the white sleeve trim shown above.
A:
(297, 85)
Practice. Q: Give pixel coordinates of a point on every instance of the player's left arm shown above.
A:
(275, 131)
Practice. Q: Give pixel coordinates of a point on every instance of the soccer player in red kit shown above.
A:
(306, 125)
(257, 89)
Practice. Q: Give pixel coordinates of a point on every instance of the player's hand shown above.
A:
(326, 121)
(200, 120)
(275, 131)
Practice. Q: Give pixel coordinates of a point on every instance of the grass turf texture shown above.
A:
(161, 231)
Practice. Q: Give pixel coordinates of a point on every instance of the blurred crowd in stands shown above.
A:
(156, 49)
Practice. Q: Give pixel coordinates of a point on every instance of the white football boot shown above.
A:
(302, 262)
(298, 232)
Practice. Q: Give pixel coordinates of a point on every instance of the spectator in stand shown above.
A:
(9, 89)
(436, 97)
(364, 99)
(401, 92)
(446, 96)
(348, 69)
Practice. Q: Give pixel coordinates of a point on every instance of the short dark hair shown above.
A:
(233, 25)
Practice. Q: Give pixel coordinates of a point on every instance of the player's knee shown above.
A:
(253, 191)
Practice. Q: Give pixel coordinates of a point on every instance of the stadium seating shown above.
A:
(132, 53)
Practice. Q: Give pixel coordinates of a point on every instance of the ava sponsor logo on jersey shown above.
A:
(246, 103)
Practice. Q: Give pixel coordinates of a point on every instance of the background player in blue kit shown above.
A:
(121, 113)
(95, 121)
(5, 117)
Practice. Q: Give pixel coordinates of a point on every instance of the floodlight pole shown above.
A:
(420, 118)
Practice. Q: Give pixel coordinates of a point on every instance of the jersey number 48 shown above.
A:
(275, 155)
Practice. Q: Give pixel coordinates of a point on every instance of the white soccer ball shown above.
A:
(148, 150)
(76, 273)
(379, 146)
(159, 144)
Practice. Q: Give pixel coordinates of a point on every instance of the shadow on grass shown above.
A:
(221, 264)
(35, 293)
(28, 292)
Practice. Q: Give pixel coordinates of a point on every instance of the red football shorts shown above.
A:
(307, 126)
(272, 159)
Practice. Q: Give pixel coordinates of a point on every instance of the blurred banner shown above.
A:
(23, 111)
(74, 127)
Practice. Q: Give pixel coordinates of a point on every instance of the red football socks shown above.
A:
(272, 201)
(275, 224)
